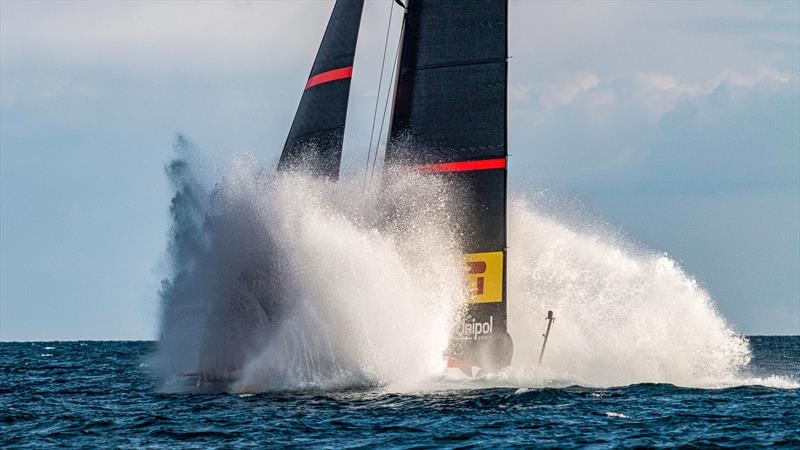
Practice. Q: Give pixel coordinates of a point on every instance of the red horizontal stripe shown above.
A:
(331, 75)
(462, 166)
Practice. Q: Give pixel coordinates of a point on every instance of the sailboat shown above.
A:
(448, 120)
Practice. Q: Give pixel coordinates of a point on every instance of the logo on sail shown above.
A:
(485, 277)
(468, 328)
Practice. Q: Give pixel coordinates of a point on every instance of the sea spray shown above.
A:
(624, 315)
(292, 282)
(371, 300)
(305, 283)
(182, 303)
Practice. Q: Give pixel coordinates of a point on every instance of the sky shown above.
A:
(676, 123)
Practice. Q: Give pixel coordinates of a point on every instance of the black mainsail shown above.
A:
(449, 118)
(315, 139)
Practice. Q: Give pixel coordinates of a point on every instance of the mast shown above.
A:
(315, 139)
(449, 120)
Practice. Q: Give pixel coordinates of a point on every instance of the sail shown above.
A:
(449, 118)
(315, 139)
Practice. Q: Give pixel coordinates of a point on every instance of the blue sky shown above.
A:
(677, 123)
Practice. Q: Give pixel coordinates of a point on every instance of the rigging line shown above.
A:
(386, 105)
(377, 99)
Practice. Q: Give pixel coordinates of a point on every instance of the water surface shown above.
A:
(88, 394)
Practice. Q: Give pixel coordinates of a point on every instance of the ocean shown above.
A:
(104, 394)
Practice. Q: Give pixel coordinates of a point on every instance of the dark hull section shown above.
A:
(449, 119)
(315, 139)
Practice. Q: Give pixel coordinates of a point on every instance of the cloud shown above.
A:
(563, 93)
(738, 136)
(654, 131)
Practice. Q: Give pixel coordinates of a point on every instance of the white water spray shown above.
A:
(293, 282)
(624, 316)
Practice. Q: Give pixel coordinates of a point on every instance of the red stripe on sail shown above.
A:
(463, 166)
(331, 75)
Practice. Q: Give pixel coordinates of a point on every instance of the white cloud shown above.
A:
(654, 129)
(564, 92)
(518, 93)
(653, 94)
(763, 75)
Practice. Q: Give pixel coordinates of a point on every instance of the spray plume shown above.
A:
(290, 282)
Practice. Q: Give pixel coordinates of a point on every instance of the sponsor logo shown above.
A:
(485, 277)
(470, 329)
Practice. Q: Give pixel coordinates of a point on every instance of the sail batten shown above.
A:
(462, 63)
(315, 140)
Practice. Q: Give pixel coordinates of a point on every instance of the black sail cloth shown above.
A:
(449, 119)
(315, 139)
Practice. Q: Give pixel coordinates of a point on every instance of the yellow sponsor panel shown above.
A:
(485, 277)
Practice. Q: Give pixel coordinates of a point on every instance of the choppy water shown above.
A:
(89, 394)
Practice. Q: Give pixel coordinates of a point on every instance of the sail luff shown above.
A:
(315, 139)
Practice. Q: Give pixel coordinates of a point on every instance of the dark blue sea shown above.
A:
(100, 394)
